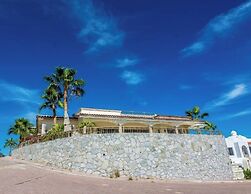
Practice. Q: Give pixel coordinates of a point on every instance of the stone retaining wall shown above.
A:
(164, 156)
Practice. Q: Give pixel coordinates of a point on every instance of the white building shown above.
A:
(239, 148)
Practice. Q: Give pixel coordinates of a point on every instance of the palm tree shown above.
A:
(52, 100)
(195, 113)
(64, 81)
(210, 126)
(11, 144)
(21, 127)
(1, 155)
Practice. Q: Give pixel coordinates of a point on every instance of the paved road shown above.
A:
(27, 178)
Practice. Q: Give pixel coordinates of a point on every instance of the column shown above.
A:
(176, 130)
(150, 129)
(43, 130)
(84, 130)
(120, 128)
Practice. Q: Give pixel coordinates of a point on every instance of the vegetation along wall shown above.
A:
(164, 156)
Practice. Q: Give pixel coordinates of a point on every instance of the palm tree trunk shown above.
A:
(10, 151)
(54, 115)
(67, 125)
(65, 101)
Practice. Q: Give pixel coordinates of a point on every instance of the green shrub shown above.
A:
(57, 131)
(85, 123)
(247, 173)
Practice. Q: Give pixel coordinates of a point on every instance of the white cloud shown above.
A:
(132, 78)
(218, 27)
(238, 91)
(11, 92)
(97, 29)
(126, 62)
(239, 114)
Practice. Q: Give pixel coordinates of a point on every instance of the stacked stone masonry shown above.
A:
(161, 156)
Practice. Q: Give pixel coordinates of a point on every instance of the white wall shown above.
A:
(236, 142)
(99, 111)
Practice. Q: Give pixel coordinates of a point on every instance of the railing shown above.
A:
(204, 132)
(137, 113)
(135, 129)
(43, 138)
(98, 130)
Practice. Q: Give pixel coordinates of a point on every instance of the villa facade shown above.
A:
(117, 121)
(239, 148)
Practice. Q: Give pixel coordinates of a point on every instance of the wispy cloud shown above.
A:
(97, 29)
(126, 62)
(238, 91)
(238, 114)
(132, 78)
(218, 27)
(15, 93)
(185, 87)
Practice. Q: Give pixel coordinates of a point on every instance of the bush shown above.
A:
(247, 173)
(115, 174)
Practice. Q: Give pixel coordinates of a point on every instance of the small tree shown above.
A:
(11, 144)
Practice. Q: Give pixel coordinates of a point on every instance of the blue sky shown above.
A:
(150, 56)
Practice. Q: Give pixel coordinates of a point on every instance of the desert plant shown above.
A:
(247, 173)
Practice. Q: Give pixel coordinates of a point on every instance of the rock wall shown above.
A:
(164, 156)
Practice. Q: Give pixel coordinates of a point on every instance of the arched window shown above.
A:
(245, 151)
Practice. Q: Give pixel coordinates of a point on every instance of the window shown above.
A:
(245, 151)
(230, 151)
(237, 149)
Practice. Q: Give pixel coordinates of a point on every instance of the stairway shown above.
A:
(237, 172)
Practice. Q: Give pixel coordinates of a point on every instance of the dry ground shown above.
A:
(28, 178)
